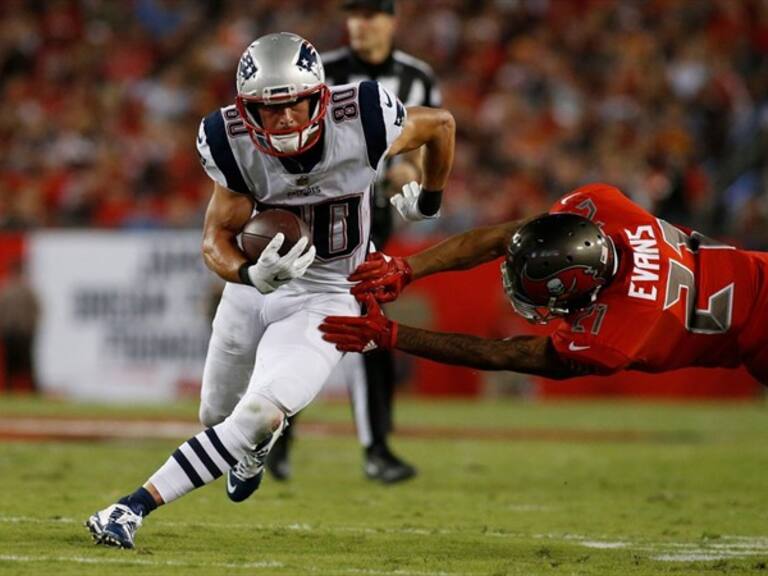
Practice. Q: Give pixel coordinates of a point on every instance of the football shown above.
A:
(260, 230)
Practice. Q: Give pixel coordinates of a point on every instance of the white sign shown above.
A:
(125, 314)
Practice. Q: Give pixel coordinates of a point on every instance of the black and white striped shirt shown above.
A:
(410, 79)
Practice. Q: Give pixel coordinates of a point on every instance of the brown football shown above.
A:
(260, 230)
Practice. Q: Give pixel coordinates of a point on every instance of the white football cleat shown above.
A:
(245, 478)
(115, 526)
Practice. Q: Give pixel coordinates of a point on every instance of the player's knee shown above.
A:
(257, 417)
(211, 415)
(231, 349)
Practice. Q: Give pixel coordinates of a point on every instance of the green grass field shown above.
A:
(506, 488)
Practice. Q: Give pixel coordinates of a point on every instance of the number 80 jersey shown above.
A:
(334, 197)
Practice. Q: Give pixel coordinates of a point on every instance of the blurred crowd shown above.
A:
(668, 99)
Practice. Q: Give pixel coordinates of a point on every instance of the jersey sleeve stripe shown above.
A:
(216, 134)
(373, 122)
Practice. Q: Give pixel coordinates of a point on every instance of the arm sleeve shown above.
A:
(382, 116)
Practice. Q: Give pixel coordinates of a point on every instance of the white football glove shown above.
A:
(407, 203)
(272, 270)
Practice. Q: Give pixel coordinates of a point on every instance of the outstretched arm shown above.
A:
(464, 251)
(386, 277)
(526, 354)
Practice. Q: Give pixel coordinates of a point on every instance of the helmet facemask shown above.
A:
(527, 309)
(290, 141)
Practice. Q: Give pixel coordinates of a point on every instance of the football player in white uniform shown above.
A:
(289, 141)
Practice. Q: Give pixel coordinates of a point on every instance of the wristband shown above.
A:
(242, 273)
(429, 201)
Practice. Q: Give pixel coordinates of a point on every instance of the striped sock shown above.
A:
(200, 460)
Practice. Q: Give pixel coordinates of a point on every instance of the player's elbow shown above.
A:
(497, 356)
(211, 247)
(444, 125)
(208, 248)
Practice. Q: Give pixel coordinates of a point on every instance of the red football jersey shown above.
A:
(678, 299)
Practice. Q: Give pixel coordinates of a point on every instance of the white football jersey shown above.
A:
(334, 197)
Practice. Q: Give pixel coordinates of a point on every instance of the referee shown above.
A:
(371, 56)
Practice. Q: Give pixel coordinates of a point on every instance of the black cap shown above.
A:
(387, 6)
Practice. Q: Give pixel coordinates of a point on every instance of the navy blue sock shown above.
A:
(141, 502)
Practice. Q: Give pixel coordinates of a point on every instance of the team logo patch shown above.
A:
(555, 287)
(308, 59)
(573, 281)
(247, 67)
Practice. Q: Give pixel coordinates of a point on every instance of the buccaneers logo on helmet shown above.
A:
(556, 264)
(565, 284)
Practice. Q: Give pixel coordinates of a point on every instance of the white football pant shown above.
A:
(269, 346)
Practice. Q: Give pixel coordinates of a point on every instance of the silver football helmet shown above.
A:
(279, 69)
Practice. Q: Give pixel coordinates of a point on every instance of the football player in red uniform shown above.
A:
(627, 290)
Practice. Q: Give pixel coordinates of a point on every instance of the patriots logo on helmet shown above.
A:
(247, 66)
(308, 59)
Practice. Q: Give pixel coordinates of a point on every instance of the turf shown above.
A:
(504, 488)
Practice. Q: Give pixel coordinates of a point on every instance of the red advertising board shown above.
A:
(11, 251)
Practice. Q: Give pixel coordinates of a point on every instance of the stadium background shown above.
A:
(101, 196)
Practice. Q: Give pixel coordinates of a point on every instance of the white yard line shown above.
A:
(243, 526)
(138, 561)
(267, 564)
(721, 548)
(703, 555)
(600, 545)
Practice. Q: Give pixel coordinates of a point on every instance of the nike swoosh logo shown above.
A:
(565, 200)
(573, 347)
(230, 488)
(389, 100)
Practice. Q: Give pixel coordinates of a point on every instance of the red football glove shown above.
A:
(361, 333)
(381, 275)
